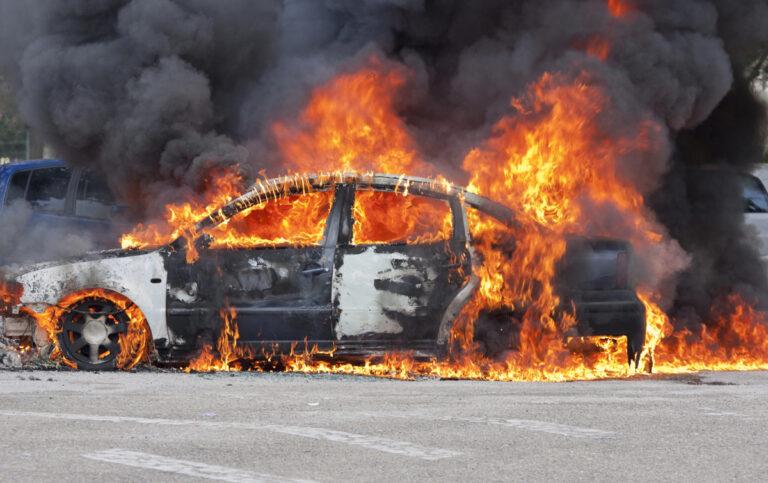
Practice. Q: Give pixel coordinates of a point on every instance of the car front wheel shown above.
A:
(91, 329)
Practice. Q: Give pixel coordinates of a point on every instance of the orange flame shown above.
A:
(657, 328)
(350, 124)
(619, 8)
(735, 338)
(181, 218)
(412, 220)
(229, 353)
(10, 292)
(295, 220)
(598, 47)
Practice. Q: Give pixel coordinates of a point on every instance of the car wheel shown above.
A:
(497, 333)
(90, 331)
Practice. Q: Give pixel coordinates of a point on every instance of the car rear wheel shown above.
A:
(497, 333)
(90, 331)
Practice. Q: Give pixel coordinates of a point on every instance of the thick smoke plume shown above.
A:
(157, 93)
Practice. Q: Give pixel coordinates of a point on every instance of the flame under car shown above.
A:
(381, 263)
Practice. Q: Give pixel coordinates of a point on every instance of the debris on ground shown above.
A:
(10, 358)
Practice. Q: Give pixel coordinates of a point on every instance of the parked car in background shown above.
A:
(756, 206)
(706, 186)
(63, 199)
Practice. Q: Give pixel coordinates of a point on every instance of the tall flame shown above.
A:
(554, 166)
(229, 354)
(350, 124)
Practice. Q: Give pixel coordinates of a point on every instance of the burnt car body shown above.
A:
(360, 298)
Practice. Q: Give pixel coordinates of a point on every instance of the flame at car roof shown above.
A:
(272, 188)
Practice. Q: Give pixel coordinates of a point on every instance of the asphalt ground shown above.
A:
(160, 426)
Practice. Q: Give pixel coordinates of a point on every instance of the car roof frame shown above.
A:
(274, 188)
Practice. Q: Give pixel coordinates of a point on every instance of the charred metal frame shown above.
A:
(293, 185)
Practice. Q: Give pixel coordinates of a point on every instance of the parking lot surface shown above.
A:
(77, 426)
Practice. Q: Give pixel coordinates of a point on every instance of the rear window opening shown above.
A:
(755, 196)
(94, 198)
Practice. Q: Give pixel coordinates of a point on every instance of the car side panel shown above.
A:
(279, 294)
(397, 293)
(393, 292)
(141, 278)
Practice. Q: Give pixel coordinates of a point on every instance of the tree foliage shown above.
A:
(12, 129)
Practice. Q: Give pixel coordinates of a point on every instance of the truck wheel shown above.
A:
(90, 330)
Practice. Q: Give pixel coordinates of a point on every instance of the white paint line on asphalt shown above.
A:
(723, 413)
(183, 467)
(386, 445)
(525, 424)
(720, 413)
(538, 426)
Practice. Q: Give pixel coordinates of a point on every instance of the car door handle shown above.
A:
(314, 271)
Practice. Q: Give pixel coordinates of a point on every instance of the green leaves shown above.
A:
(12, 130)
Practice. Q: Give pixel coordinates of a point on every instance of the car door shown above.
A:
(756, 210)
(398, 270)
(272, 263)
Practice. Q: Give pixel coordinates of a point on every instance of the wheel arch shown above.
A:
(129, 276)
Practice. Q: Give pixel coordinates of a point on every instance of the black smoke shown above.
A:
(158, 92)
(701, 203)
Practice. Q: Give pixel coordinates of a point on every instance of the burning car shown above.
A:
(298, 259)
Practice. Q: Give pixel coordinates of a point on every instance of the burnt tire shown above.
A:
(90, 331)
(497, 333)
(636, 342)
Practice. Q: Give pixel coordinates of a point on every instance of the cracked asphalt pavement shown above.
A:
(167, 426)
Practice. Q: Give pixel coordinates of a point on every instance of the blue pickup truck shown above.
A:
(64, 200)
